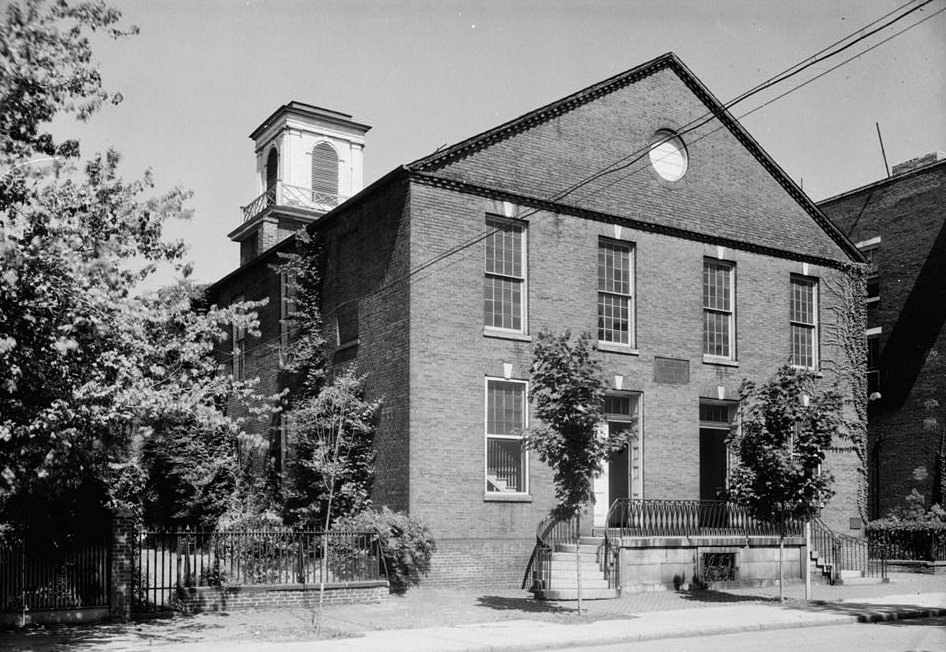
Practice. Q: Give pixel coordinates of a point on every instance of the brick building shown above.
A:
(680, 246)
(900, 225)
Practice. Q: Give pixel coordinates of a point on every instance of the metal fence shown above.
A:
(655, 518)
(166, 562)
(910, 543)
(36, 576)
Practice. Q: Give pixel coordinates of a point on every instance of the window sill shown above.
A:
(611, 347)
(870, 300)
(490, 331)
(497, 497)
(815, 371)
(723, 362)
(347, 345)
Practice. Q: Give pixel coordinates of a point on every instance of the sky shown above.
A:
(203, 74)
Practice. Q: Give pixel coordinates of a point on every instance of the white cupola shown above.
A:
(308, 161)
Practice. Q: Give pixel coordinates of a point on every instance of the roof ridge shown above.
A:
(543, 113)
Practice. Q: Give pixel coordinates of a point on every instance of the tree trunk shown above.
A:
(578, 557)
(781, 550)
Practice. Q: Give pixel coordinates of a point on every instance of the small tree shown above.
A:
(568, 393)
(332, 436)
(785, 425)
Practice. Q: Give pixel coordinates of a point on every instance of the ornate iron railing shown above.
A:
(840, 552)
(283, 194)
(166, 562)
(686, 518)
(550, 533)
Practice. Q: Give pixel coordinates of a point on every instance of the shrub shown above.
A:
(406, 544)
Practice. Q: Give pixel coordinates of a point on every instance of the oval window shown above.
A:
(668, 156)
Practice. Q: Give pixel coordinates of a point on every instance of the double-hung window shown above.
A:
(506, 415)
(873, 361)
(804, 321)
(615, 293)
(287, 308)
(719, 300)
(504, 294)
(239, 350)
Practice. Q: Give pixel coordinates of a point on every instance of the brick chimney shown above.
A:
(918, 162)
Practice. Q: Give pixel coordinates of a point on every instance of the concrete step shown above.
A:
(572, 594)
(570, 548)
(591, 541)
(858, 581)
(850, 574)
(572, 583)
(566, 575)
(565, 567)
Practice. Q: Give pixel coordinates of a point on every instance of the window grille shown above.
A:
(505, 278)
(718, 300)
(505, 423)
(615, 290)
(804, 322)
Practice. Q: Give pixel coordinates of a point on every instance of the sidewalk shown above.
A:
(448, 620)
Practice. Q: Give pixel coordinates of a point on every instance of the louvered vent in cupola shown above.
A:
(324, 170)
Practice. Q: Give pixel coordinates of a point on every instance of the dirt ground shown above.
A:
(417, 608)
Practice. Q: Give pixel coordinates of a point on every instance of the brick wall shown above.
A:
(907, 423)
(451, 356)
(283, 596)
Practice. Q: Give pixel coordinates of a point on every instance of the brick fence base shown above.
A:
(213, 598)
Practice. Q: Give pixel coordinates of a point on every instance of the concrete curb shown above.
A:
(905, 614)
(527, 636)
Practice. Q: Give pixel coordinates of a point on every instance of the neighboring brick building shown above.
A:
(694, 267)
(900, 224)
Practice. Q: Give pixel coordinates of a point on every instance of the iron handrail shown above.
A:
(842, 552)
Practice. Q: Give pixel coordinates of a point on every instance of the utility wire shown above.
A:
(692, 125)
(640, 153)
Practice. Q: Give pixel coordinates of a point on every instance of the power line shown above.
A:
(778, 97)
(692, 125)
(689, 127)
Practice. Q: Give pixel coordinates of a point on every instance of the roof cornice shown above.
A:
(434, 180)
(669, 60)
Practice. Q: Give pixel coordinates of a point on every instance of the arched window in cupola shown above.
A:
(324, 174)
(272, 175)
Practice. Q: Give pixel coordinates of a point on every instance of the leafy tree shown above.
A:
(785, 426)
(90, 367)
(568, 393)
(331, 470)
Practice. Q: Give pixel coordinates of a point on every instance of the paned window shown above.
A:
(239, 350)
(347, 318)
(804, 322)
(615, 293)
(506, 414)
(287, 308)
(873, 364)
(504, 295)
(719, 298)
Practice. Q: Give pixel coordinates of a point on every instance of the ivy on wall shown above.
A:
(844, 333)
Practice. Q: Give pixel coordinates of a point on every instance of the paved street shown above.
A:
(920, 635)
(510, 619)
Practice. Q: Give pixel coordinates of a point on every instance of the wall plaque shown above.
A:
(671, 371)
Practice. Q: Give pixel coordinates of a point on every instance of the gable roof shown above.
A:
(429, 165)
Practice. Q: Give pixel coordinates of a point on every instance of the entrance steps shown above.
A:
(563, 576)
(820, 566)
